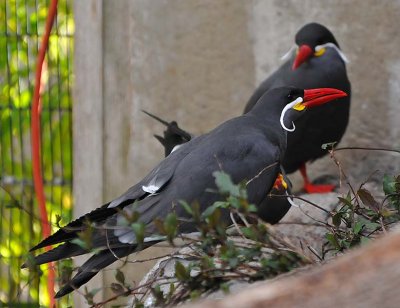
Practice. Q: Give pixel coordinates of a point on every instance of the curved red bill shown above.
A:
(303, 54)
(316, 97)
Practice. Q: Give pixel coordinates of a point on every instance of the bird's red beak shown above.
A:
(316, 97)
(303, 54)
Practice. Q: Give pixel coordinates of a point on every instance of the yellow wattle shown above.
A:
(299, 107)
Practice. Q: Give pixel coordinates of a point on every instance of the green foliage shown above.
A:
(22, 24)
(360, 215)
(391, 187)
(251, 252)
(220, 258)
(220, 254)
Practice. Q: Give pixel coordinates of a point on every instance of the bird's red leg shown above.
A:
(311, 188)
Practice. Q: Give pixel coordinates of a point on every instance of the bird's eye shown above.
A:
(319, 51)
(292, 95)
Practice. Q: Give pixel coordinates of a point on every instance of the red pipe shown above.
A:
(35, 135)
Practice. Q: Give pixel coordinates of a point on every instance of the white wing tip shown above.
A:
(151, 189)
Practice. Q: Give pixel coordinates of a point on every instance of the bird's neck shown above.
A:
(269, 123)
(264, 114)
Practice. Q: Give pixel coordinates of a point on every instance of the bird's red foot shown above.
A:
(318, 189)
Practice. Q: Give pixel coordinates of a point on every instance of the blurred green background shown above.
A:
(21, 27)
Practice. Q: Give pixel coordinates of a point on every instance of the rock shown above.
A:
(304, 226)
(364, 278)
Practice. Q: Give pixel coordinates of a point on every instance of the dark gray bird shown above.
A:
(274, 206)
(318, 62)
(249, 147)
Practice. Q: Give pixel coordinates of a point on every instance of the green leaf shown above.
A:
(225, 287)
(171, 289)
(389, 184)
(225, 184)
(397, 184)
(207, 262)
(368, 200)
(358, 227)
(210, 210)
(186, 207)
(195, 294)
(233, 262)
(171, 226)
(252, 208)
(337, 219)
(333, 241)
(117, 288)
(249, 232)
(80, 243)
(180, 272)
(221, 204)
(158, 294)
(196, 212)
(92, 292)
(120, 277)
(138, 228)
(369, 224)
(346, 201)
(214, 219)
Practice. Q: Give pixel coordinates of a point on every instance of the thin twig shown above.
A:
(367, 149)
(261, 172)
(236, 225)
(314, 252)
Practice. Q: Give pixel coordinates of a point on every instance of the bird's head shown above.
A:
(288, 103)
(312, 41)
(294, 102)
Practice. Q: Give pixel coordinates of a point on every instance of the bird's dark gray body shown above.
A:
(321, 125)
(247, 147)
(249, 150)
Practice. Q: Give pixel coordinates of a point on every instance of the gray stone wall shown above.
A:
(198, 62)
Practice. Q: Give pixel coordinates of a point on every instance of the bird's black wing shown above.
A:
(158, 177)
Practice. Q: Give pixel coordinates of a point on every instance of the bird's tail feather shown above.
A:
(156, 118)
(71, 230)
(92, 266)
(63, 251)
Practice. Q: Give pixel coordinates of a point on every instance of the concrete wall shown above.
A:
(198, 62)
(366, 31)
